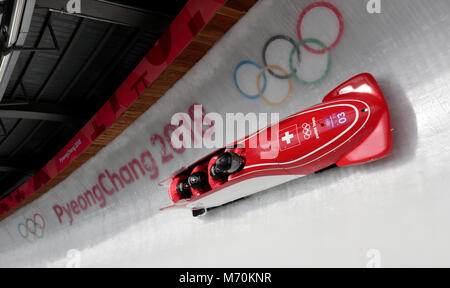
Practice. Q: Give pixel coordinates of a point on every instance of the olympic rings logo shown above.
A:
(292, 74)
(307, 131)
(33, 228)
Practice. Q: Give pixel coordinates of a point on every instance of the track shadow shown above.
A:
(404, 122)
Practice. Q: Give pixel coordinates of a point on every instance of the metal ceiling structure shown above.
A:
(59, 68)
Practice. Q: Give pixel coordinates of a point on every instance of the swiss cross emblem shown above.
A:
(289, 138)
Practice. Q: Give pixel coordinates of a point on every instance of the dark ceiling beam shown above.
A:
(62, 64)
(151, 6)
(117, 59)
(16, 35)
(13, 166)
(14, 183)
(112, 13)
(88, 63)
(30, 58)
(40, 111)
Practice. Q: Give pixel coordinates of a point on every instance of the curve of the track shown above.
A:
(395, 209)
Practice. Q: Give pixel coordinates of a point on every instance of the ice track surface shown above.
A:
(394, 211)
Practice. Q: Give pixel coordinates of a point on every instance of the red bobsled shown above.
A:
(351, 126)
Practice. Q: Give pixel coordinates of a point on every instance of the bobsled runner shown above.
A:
(351, 126)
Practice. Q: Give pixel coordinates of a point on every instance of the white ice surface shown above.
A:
(398, 206)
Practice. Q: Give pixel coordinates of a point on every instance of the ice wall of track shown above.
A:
(394, 212)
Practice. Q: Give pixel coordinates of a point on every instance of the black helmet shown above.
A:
(198, 180)
(227, 163)
(184, 189)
